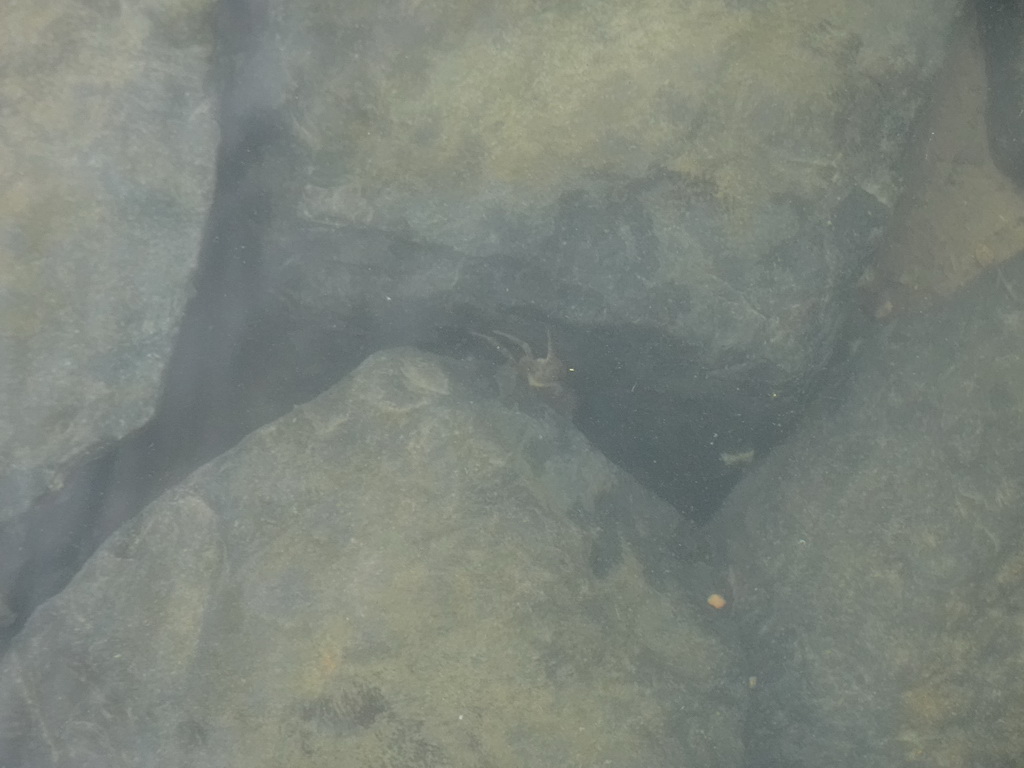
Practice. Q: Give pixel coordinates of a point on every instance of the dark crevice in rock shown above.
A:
(240, 360)
(245, 355)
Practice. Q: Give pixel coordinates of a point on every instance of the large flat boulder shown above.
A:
(405, 571)
(708, 175)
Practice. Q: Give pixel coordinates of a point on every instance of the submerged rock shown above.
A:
(402, 572)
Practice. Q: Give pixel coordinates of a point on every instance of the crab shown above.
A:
(546, 374)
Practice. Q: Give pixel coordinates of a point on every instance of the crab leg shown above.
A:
(522, 344)
(496, 344)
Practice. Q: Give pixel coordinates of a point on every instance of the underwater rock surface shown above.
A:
(877, 555)
(405, 572)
